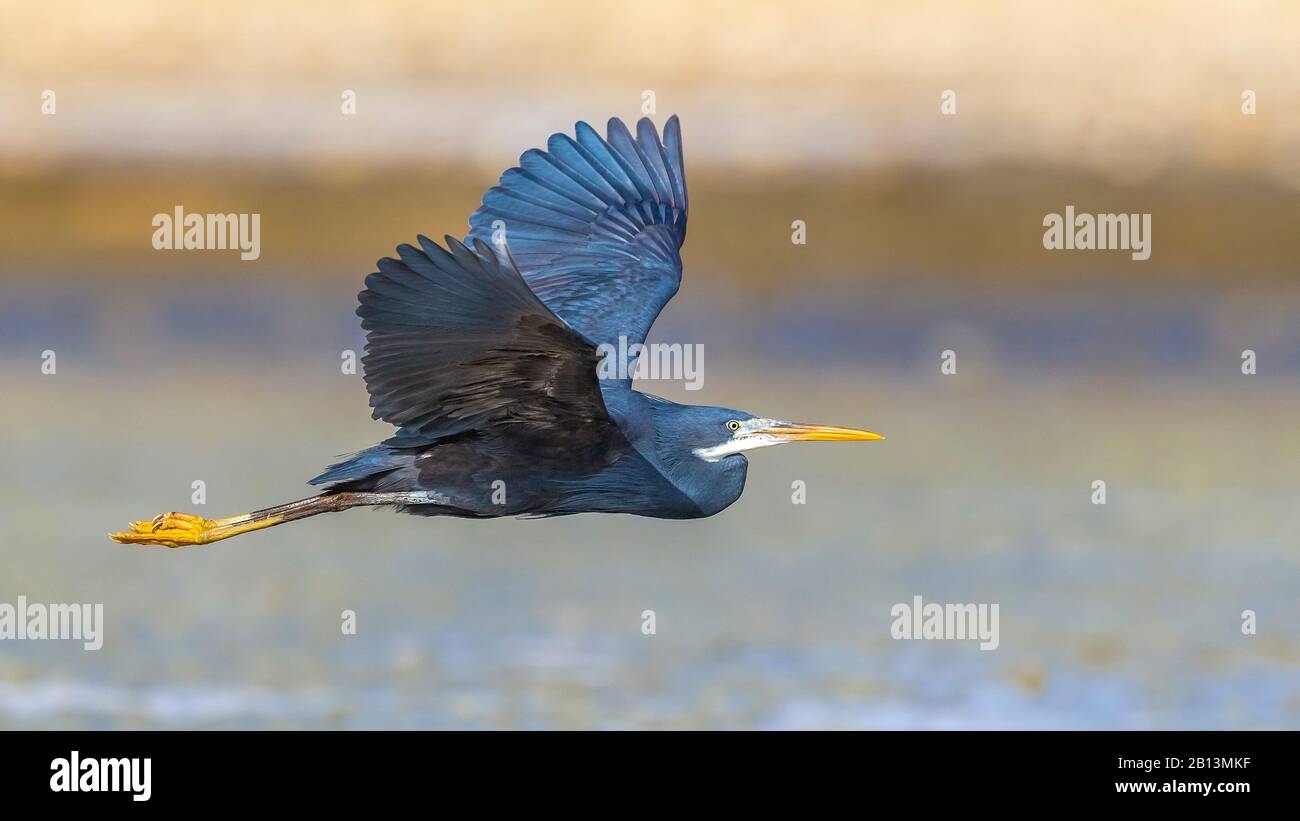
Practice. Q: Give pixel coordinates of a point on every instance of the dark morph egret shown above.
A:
(484, 356)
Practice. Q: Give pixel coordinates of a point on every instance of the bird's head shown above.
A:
(722, 432)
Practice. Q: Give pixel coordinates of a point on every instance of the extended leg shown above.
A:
(185, 529)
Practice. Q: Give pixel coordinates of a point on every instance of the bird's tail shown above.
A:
(186, 529)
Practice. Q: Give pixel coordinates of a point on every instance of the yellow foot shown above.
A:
(170, 530)
(185, 529)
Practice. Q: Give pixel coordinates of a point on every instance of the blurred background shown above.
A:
(924, 234)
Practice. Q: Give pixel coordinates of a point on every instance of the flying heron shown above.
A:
(484, 356)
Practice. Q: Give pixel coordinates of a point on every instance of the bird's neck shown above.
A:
(712, 486)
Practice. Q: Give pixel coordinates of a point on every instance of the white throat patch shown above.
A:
(741, 440)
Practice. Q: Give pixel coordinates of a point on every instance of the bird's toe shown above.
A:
(167, 529)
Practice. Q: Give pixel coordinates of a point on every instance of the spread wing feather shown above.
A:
(457, 341)
(596, 225)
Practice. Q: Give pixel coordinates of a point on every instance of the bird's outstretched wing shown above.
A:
(595, 225)
(456, 341)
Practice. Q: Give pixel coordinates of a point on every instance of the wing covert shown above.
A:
(456, 341)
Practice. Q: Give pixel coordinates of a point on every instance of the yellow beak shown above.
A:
(794, 432)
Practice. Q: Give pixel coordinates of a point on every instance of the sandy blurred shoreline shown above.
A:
(830, 114)
(329, 222)
(1108, 86)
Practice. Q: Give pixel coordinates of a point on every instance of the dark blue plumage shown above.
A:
(483, 355)
(595, 226)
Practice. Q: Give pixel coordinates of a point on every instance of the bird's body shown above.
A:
(601, 469)
(484, 354)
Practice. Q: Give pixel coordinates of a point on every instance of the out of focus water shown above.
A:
(770, 615)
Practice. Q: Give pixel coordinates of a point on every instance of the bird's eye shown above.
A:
(733, 425)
